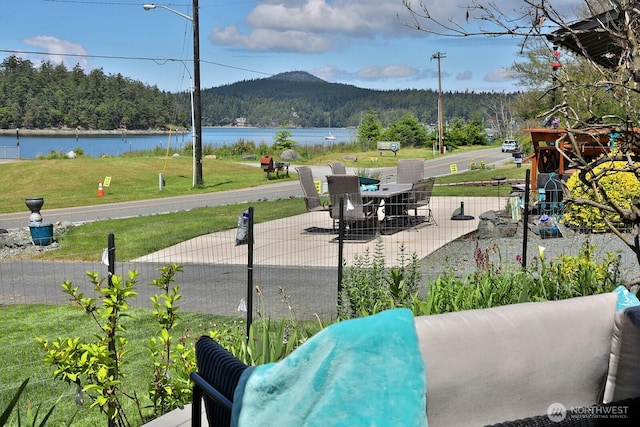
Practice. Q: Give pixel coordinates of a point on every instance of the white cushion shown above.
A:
(505, 363)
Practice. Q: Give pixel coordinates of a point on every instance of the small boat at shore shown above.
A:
(330, 137)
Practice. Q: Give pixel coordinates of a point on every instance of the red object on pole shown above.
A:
(556, 59)
(100, 189)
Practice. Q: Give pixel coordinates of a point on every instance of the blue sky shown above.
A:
(356, 42)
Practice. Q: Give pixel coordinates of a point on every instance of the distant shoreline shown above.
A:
(72, 132)
(89, 132)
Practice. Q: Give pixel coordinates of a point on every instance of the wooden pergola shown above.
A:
(553, 150)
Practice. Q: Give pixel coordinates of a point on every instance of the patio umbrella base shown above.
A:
(458, 214)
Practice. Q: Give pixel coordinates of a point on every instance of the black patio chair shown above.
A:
(215, 382)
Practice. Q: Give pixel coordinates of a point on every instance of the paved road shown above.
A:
(436, 167)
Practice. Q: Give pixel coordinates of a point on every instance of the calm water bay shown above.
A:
(32, 146)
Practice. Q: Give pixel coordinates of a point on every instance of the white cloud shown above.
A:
(387, 72)
(313, 26)
(332, 73)
(465, 75)
(60, 51)
(500, 75)
(266, 39)
(374, 73)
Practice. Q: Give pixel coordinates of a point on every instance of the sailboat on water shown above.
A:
(330, 137)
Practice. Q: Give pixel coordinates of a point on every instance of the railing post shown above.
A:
(340, 247)
(250, 272)
(525, 218)
(111, 268)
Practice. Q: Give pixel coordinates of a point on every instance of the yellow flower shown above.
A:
(541, 251)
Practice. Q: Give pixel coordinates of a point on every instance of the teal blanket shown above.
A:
(360, 372)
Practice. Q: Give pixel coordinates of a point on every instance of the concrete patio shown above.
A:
(308, 241)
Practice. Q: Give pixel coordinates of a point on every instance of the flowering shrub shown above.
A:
(473, 165)
(620, 189)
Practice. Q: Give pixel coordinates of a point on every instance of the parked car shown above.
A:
(510, 145)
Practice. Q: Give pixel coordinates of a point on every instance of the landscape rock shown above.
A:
(496, 225)
(290, 154)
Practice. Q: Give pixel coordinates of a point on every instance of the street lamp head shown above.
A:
(151, 6)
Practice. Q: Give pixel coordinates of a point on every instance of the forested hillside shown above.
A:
(50, 96)
(300, 99)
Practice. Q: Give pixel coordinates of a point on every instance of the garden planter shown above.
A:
(41, 234)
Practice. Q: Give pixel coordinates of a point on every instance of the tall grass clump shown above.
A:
(269, 340)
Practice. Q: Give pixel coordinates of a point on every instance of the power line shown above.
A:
(117, 3)
(159, 61)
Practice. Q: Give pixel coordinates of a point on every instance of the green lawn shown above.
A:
(23, 358)
(74, 182)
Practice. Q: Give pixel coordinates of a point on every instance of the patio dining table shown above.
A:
(393, 198)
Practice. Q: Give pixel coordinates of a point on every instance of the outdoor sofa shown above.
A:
(541, 363)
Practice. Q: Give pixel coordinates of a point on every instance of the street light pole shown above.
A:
(197, 100)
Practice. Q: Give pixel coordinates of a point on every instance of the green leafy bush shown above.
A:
(98, 366)
(368, 287)
(618, 188)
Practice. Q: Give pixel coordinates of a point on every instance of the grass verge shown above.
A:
(143, 235)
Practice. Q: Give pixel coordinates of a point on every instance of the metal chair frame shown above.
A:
(421, 196)
(356, 211)
(338, 168)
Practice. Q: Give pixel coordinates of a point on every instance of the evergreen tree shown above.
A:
(370, 129)
(407, 131)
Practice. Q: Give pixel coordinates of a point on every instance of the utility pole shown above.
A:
(439, 56)
(197, 145)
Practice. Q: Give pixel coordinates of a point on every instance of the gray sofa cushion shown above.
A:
(623, 380)
(504, 363)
